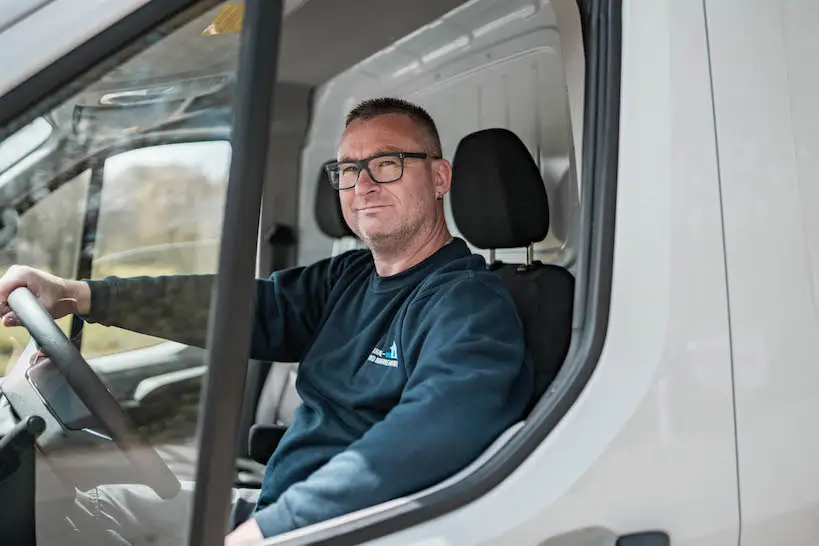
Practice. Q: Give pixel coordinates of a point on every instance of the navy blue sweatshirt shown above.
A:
(404, 379)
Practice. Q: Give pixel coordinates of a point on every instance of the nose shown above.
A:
(365, 184)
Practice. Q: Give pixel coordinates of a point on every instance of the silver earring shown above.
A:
(439, 196)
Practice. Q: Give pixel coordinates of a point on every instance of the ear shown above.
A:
(442, 175)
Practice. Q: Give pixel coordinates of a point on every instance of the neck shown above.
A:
(392, 261)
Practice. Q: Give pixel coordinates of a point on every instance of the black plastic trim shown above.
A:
(117, 43)
(646, 538)
(18, 489)
(234, 292)
(601, 24)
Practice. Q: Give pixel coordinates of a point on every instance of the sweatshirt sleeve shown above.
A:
(469, 379)
(289, 305)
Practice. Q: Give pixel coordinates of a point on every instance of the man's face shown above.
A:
(393, 213)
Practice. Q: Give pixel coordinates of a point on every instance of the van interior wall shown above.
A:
(484, 64)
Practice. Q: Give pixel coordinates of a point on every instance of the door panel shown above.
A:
(765, 86)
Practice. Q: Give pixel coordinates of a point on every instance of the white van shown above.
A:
(674, 140)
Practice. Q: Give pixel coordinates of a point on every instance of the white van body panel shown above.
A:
(766, 92)
(650, 442)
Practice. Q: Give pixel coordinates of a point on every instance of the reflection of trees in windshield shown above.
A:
(48, 236)
(148, 205)
(160, 212)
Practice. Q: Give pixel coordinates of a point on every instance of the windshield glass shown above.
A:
(127, 178)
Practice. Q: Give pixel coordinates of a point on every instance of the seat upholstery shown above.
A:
(494, 166)
(279, 398)
(327, 208)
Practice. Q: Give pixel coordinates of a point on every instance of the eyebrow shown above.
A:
(384, 150)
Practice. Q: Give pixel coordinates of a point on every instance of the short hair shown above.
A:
(382, 106)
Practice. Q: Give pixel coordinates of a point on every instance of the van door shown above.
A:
(766, 84)
(162, 205)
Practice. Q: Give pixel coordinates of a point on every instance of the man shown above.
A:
(412, 354)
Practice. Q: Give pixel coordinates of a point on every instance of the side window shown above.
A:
(160, 214)
(48, 238)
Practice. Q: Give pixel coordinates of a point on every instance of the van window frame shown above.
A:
(601, 27)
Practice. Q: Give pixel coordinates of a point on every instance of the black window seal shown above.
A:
(601, 22)
(129, 36)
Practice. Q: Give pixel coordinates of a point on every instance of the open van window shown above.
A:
(150, 140)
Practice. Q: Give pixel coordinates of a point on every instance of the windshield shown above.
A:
(126, 177)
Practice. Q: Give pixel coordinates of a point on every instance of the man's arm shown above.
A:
(172, 307)
(288, 308)
(289, 305)
(470, 380)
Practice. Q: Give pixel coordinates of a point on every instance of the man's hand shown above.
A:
(60, 297)
(245, 534)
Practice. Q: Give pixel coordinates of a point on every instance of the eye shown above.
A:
(349, 169)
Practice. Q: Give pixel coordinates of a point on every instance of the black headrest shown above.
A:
(328, 209)
(498, 197)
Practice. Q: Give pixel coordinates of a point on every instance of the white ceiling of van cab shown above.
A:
(313, 48)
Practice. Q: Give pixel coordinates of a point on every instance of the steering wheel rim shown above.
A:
(93, 393)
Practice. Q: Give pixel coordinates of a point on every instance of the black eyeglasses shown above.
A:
(382, 168)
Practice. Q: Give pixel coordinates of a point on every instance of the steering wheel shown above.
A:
(92, 392)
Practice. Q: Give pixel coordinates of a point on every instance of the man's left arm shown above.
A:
(469, 380)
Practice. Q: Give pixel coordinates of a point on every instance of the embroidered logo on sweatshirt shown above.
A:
(382, 358)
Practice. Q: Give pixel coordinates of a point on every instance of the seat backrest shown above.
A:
(330, 220)
(279, 398)
(499, 201)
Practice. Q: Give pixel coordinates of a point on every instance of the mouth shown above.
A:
(371, 207)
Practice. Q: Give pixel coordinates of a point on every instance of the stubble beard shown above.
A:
(392, 242)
